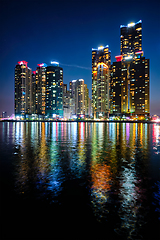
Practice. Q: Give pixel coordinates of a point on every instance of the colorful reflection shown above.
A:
(111, 167)
(78, 150)
(101, 184)
(36, 164)
(116, 176)
(100, 170)
(129, 196)
(156, 138)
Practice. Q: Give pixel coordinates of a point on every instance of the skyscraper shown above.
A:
(101, 62)
(54, 90)
(129, 88)
(41, 89)
(115, 89)
(86, 99)
(72, 89)
(34, 92)
(23, 88)
(66, 102)
(131, 38)
(79, 98)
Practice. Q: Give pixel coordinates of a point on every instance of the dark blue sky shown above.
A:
(66, 31)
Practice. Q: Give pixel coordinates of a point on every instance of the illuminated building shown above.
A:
(90, 107)
(33, 92)
(131, 38)
(79, 98)
(40, 97)
(77, 95)
(23, 86)
(66, 102)
(129, 89)
(54, 90)
(115, 91)
(86, 99)
(72, 88)
(101, 62)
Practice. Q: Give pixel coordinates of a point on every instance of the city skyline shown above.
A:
(71, 47)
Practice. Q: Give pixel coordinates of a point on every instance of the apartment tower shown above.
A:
(101, 63)
(54, 91)
(23, 89)
(129, 89)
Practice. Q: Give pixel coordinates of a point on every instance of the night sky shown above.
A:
(66, 31)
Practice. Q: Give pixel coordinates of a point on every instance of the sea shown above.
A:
(76, 180)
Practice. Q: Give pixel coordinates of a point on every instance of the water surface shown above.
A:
(93, 180)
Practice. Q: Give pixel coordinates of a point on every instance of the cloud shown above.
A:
(70, 65)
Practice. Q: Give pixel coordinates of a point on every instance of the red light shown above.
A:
(22, 62)
(34, 72)
(118, 58)
(41, 64)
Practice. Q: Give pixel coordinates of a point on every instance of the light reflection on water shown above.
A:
(112, 161)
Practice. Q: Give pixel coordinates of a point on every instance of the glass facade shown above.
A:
(129, 89)
(101, 63)
(23, 88)
(54, 91)
(131, 38)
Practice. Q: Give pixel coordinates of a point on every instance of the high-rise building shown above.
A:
(86, 99)
(34, 93)
(41, 89)
(72, 89)
(129, 89)
(66, 102)
(23, 86)
(115, 89)
(54, 90)
(79, 98)
(101, 63)
(131, 38)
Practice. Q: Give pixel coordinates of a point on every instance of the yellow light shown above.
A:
(101, 63)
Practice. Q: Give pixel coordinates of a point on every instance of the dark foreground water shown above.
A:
(79, 180)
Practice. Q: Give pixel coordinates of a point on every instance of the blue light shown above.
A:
(44, 65)
(55, 63)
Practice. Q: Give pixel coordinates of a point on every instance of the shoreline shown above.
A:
(92, 121)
